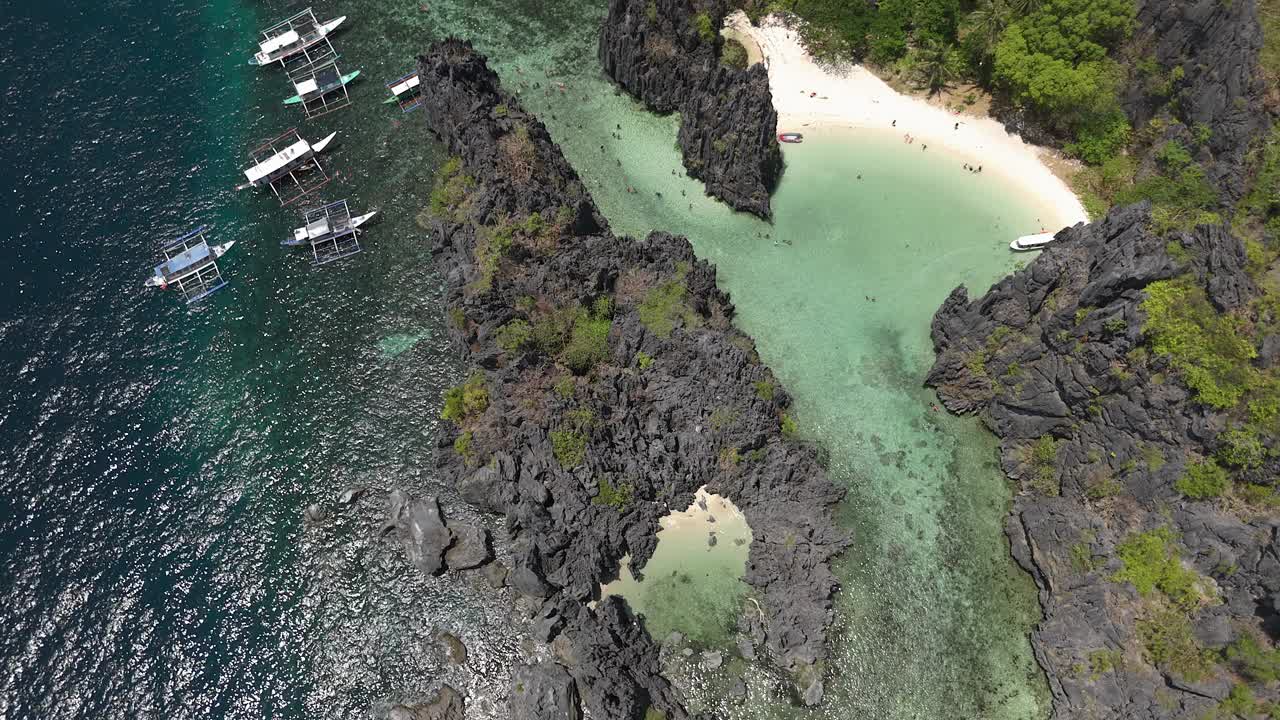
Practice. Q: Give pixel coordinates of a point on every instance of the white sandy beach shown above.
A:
(807, 95)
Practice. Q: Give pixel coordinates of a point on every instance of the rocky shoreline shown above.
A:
(609, 384)
(666, 54)
(1047, 357)
(1152, 591)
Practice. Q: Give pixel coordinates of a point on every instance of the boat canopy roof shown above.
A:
(185, 254)
(404, 84)
(276, 42)
(280, 160)
(305, 86)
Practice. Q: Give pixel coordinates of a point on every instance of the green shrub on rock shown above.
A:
(617, 496)
(1203, 480)
(663, 306)
(470, 398)
(1151, 561)
(569, 447)
(1212, 350)
(515, 336)
(1166, 637)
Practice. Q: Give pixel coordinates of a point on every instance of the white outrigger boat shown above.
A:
(190, 266)
(1032, 242)
(293, 35)
(330, 232)
(283, 158)
(322, 228)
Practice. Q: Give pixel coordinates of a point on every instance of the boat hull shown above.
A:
(345, 79)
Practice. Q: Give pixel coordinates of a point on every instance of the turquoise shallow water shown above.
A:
(152, 553)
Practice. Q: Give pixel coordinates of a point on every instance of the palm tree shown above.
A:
(988, 22)
(935, 64)
(1025, 7)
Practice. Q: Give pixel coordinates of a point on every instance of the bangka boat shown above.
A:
(310, 88)
(406, 92)
(279, 163)
(323, 227)
(293, 35)
(284, 160)
(190, 266)
(1031, 242)
(790, 137)
(330, 232)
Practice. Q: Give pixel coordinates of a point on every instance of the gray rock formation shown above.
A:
(1207, 52)
(1049, 354)
(545, 691)
(447, 705)
(470, 548)
(646, 433)
(728, 127)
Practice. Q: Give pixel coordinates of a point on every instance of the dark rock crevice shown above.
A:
(728, 128)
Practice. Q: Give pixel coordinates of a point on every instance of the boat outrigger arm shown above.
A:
(290, 42)
(283, 161)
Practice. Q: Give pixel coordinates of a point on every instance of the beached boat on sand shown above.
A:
(293, 35)
(1031, 242)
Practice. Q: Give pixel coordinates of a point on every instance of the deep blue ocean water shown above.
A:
(157, 458)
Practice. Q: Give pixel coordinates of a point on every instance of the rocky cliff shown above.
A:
(1206, 79)
(656, 51)
(1141, 586)
(609, 384)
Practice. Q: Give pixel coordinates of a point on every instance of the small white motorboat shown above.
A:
(1032, 242)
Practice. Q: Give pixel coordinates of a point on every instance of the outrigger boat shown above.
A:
(284, 158)
(406, 92)
(790, 137)
(1031, 242)
(311, 88)
(329, 231)
(190, 266)
(292, 36)
(320, 229)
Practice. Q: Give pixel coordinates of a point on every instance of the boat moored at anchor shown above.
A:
(288, 165)
(330, 231)
(293, 35)
(190, 266)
